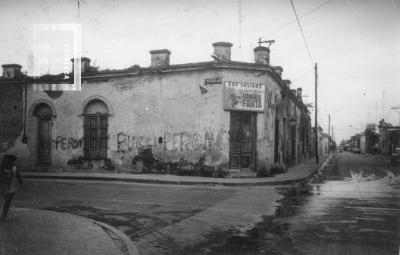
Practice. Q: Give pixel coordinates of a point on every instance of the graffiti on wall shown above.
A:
(67, 143)
(127, 143)
(182, 141)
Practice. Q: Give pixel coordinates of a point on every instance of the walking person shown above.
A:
(10, 181)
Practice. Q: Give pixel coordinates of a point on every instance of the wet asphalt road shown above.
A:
(352, 206)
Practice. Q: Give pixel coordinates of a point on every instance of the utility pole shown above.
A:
(316, 115)
(329, 132)
(383, 105)
(329, 124)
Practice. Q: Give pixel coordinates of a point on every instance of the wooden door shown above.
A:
(276, 145)
(44, 141)
(293, 144)
(242, 140)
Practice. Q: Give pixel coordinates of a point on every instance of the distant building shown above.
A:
(323, 141)
(389, 137)
(371, 138)
(226, 113)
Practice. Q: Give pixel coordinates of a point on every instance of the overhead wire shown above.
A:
(302, 15)
(302, 33)
(302, 75)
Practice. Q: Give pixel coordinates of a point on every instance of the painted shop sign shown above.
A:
(242, 96)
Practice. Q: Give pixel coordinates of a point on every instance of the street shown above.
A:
(352, 206)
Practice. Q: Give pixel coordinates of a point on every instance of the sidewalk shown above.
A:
(39, 232)
(298, 173)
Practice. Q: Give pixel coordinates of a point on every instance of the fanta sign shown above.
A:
(242, 96)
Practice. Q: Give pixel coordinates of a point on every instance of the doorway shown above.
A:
(44, 115)
(242, 141)
(276, 145)
(293, 143)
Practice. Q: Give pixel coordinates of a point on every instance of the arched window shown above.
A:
(95, 129)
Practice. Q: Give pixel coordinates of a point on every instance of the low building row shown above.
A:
(224, 113)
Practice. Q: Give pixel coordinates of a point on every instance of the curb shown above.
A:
(319, 168)
(214, 182)
(130, 248)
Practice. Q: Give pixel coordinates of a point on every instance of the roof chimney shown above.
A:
(160, 57)
(278, 70)
(85, 64)
(261, 55)
(11, 71)
(287, 82)
(222, 50)
(300, 94)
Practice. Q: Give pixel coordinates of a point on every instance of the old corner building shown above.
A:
(234, 115)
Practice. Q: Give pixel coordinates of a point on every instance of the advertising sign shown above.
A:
(242, 96)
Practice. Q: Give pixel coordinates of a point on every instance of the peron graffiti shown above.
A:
(182, 141)
(67, 143)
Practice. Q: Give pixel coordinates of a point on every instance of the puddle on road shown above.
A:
(337, 212)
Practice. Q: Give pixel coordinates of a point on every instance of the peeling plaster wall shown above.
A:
(266, 119)
(11, 119)
(176, 115)
(168, 113)
(272, 100)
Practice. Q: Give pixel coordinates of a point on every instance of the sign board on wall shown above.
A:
(242, 96)
(213, 80)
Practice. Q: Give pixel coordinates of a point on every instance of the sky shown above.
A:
(356, 43)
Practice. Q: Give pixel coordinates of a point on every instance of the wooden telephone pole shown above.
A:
(329, 125)
(316, 115)
(329, 133)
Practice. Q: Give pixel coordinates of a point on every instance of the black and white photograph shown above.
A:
(181, 127)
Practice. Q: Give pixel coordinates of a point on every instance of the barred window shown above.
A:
(96, 130)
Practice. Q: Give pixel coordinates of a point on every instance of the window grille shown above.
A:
(95, 136)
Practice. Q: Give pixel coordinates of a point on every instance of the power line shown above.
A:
(302, 33)
(302, 75)
(316, 8)
(303, 15)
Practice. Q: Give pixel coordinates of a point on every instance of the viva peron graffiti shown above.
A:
(67, 143)
(181, 141)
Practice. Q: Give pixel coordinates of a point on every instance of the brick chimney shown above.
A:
(261, 55)
(278, 70)
(300, 94)
(287, 82)
(11, 71)
(222, 50)
(160, 57)
(85, 64)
